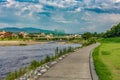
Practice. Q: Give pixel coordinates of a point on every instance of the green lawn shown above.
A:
(107, 60)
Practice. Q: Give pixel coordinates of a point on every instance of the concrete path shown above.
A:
(73, 67)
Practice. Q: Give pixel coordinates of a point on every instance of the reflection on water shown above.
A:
(14, 57)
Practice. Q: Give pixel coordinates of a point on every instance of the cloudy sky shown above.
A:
(69, 15)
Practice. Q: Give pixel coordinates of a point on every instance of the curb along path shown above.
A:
(73, 67)
(92, 67)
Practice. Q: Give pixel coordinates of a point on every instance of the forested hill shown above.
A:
(113, 32)
(28, 30)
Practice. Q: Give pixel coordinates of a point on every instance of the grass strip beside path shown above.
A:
(107, 59)
(101, 69)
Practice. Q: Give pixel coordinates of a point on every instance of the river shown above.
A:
(15, 57)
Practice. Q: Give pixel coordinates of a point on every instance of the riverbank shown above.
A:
(17, 43)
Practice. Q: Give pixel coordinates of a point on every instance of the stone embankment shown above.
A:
(35, 74)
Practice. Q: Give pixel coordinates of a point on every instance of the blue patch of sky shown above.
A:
(2, 0)
(33, 1)
(98, 10)
(48, 14)
(49, 8)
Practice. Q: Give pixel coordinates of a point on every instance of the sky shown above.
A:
(73, 16)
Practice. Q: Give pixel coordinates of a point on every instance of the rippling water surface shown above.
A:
(14, 57)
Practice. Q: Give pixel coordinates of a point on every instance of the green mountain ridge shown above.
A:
(26, 29)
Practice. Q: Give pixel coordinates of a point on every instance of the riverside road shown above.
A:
(73, 67)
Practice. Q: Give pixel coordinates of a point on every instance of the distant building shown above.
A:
(73, 36)
(4, 34)
(49, 36)
(67, 36)
(77, 35)
(42, 35)
(23, 34)
(14, 35)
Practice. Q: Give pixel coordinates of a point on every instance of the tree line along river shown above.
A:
(15, 57)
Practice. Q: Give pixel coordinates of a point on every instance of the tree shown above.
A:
(87, 35)
(101, 34)
(95, 34)
(20, 36)
(113, 32)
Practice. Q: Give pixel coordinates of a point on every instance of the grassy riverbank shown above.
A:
(107, 59)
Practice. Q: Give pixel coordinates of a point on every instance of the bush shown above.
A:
(89, 41)
(64, 51)
(34, 64)
(47, 59)
(70, 49)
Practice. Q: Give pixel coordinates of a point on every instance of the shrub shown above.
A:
(34, 64)
(47, 59)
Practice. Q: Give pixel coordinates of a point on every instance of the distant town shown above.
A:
(25, 35)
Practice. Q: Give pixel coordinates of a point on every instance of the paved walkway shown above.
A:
(73, 67)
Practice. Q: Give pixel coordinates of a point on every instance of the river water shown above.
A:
(15, 57)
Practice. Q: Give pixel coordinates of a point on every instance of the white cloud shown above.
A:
(91, 28)
(20, 8)
(65, 21)
(105, 17)
(59, 3)
(116, 1)
(98, 22)
(65, 14)
(3, 24)
(62, 19)
(10, 3)
(78, 9)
